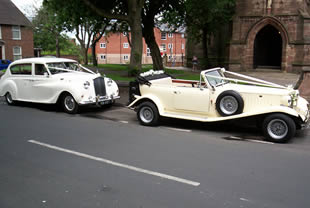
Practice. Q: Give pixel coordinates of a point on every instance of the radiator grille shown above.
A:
(99, 86)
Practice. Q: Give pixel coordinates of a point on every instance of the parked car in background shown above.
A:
(4, 64)
(56, 80)
(220, 95)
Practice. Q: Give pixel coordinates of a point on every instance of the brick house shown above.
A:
(16, 35)
(114, 48)
(271, 34)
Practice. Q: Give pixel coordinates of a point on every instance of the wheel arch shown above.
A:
(61, 94)
(152, 99)
(295, 117)
(10, 87)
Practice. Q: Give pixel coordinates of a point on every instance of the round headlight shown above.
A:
(109, 82)
(86, 85)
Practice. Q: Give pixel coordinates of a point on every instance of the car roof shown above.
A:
(42, 60)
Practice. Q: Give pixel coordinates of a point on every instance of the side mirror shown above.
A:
(46, 75)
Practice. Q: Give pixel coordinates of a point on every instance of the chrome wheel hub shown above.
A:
(69, 103)
(146, 114)
(277, 129)
(229, 105)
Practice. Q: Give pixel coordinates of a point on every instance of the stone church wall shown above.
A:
(289, 17)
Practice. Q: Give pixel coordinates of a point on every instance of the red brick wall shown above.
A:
(26, 42)
(115, 50)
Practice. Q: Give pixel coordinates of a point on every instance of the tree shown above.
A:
(85, 24)
(130, 12)
(47, 31)
(122, 10)
(205, 17)
(166, 8)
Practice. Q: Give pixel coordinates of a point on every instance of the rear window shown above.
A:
(22, 69)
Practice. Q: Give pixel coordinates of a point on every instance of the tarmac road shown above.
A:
(102, 158)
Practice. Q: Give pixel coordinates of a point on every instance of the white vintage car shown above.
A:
(220, 95)
(56, 80)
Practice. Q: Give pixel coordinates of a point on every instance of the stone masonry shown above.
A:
(284, 21)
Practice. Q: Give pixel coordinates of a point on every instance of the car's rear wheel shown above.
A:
(229, 103)
(68, 103)
(279, 128)
(9, 99)
(148, 114)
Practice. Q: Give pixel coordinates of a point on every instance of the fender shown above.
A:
(153, 98)
(274, 109)
(9, 86)
(58, 94)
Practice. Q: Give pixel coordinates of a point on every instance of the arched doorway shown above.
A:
(268, 48)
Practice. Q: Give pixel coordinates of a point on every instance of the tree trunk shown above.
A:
(133, 18)
(205, 47)
(57, 47)
(134, 8)
(148, 34)
(85, 50)
(93, 53)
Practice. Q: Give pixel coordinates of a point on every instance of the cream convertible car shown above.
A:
(56, 80)
(220, 95)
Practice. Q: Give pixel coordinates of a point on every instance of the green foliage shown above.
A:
(46, 30)
(208, 16)
(70, 50)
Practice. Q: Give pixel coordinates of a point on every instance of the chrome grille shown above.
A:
(100, 86)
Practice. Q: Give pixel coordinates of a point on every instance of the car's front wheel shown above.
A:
(278, 128)
(68, 103)
(148, 114)
(8, 98)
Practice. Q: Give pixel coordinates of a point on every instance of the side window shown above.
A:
(40, 69)
(21, 69)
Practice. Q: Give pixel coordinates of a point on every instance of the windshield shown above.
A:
(62, 67)
(212, 78)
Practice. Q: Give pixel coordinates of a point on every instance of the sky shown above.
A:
(28, 7)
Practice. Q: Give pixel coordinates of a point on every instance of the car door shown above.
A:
(22, 76)
(42, 84)
(191, 99)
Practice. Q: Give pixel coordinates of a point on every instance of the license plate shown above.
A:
(105, 102)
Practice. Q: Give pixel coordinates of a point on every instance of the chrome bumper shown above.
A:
(100, 100)
(103, 100)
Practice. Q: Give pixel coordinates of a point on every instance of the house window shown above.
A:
(103, 45)
(125, 45)
(148, 52)
(170, 45)
(182, 35)
(164, 36)
(124, 33)
(16, 33)
(125, 57)
(170, 35)
(17, 52)
(163, 47)
(182, 46)
(102, 57)
(0, 34)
